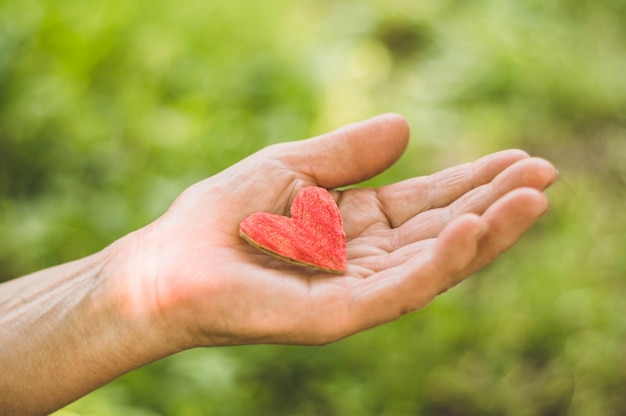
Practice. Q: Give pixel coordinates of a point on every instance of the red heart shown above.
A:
(313, 236)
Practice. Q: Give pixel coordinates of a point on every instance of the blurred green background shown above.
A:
(109, 109)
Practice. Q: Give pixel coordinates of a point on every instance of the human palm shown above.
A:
(406, 242)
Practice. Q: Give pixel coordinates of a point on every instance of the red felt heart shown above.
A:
(313, 236)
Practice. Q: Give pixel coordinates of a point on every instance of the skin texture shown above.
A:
(188, 279)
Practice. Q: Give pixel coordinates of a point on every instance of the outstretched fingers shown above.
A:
(403, 200)
(528, 173)
(412, 285)
(465, 245)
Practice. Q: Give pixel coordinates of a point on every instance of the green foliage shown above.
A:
(109, 109)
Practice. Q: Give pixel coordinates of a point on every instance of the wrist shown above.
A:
(130, 273)
(69, 329)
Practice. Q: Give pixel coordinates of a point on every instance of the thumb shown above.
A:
(351, 154)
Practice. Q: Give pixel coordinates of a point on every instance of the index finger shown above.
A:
(403, 200)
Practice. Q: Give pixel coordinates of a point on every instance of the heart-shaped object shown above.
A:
(312, 237)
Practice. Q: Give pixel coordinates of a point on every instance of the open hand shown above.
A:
(407, 242)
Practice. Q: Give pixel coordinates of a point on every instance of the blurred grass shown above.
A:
(109, 109)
